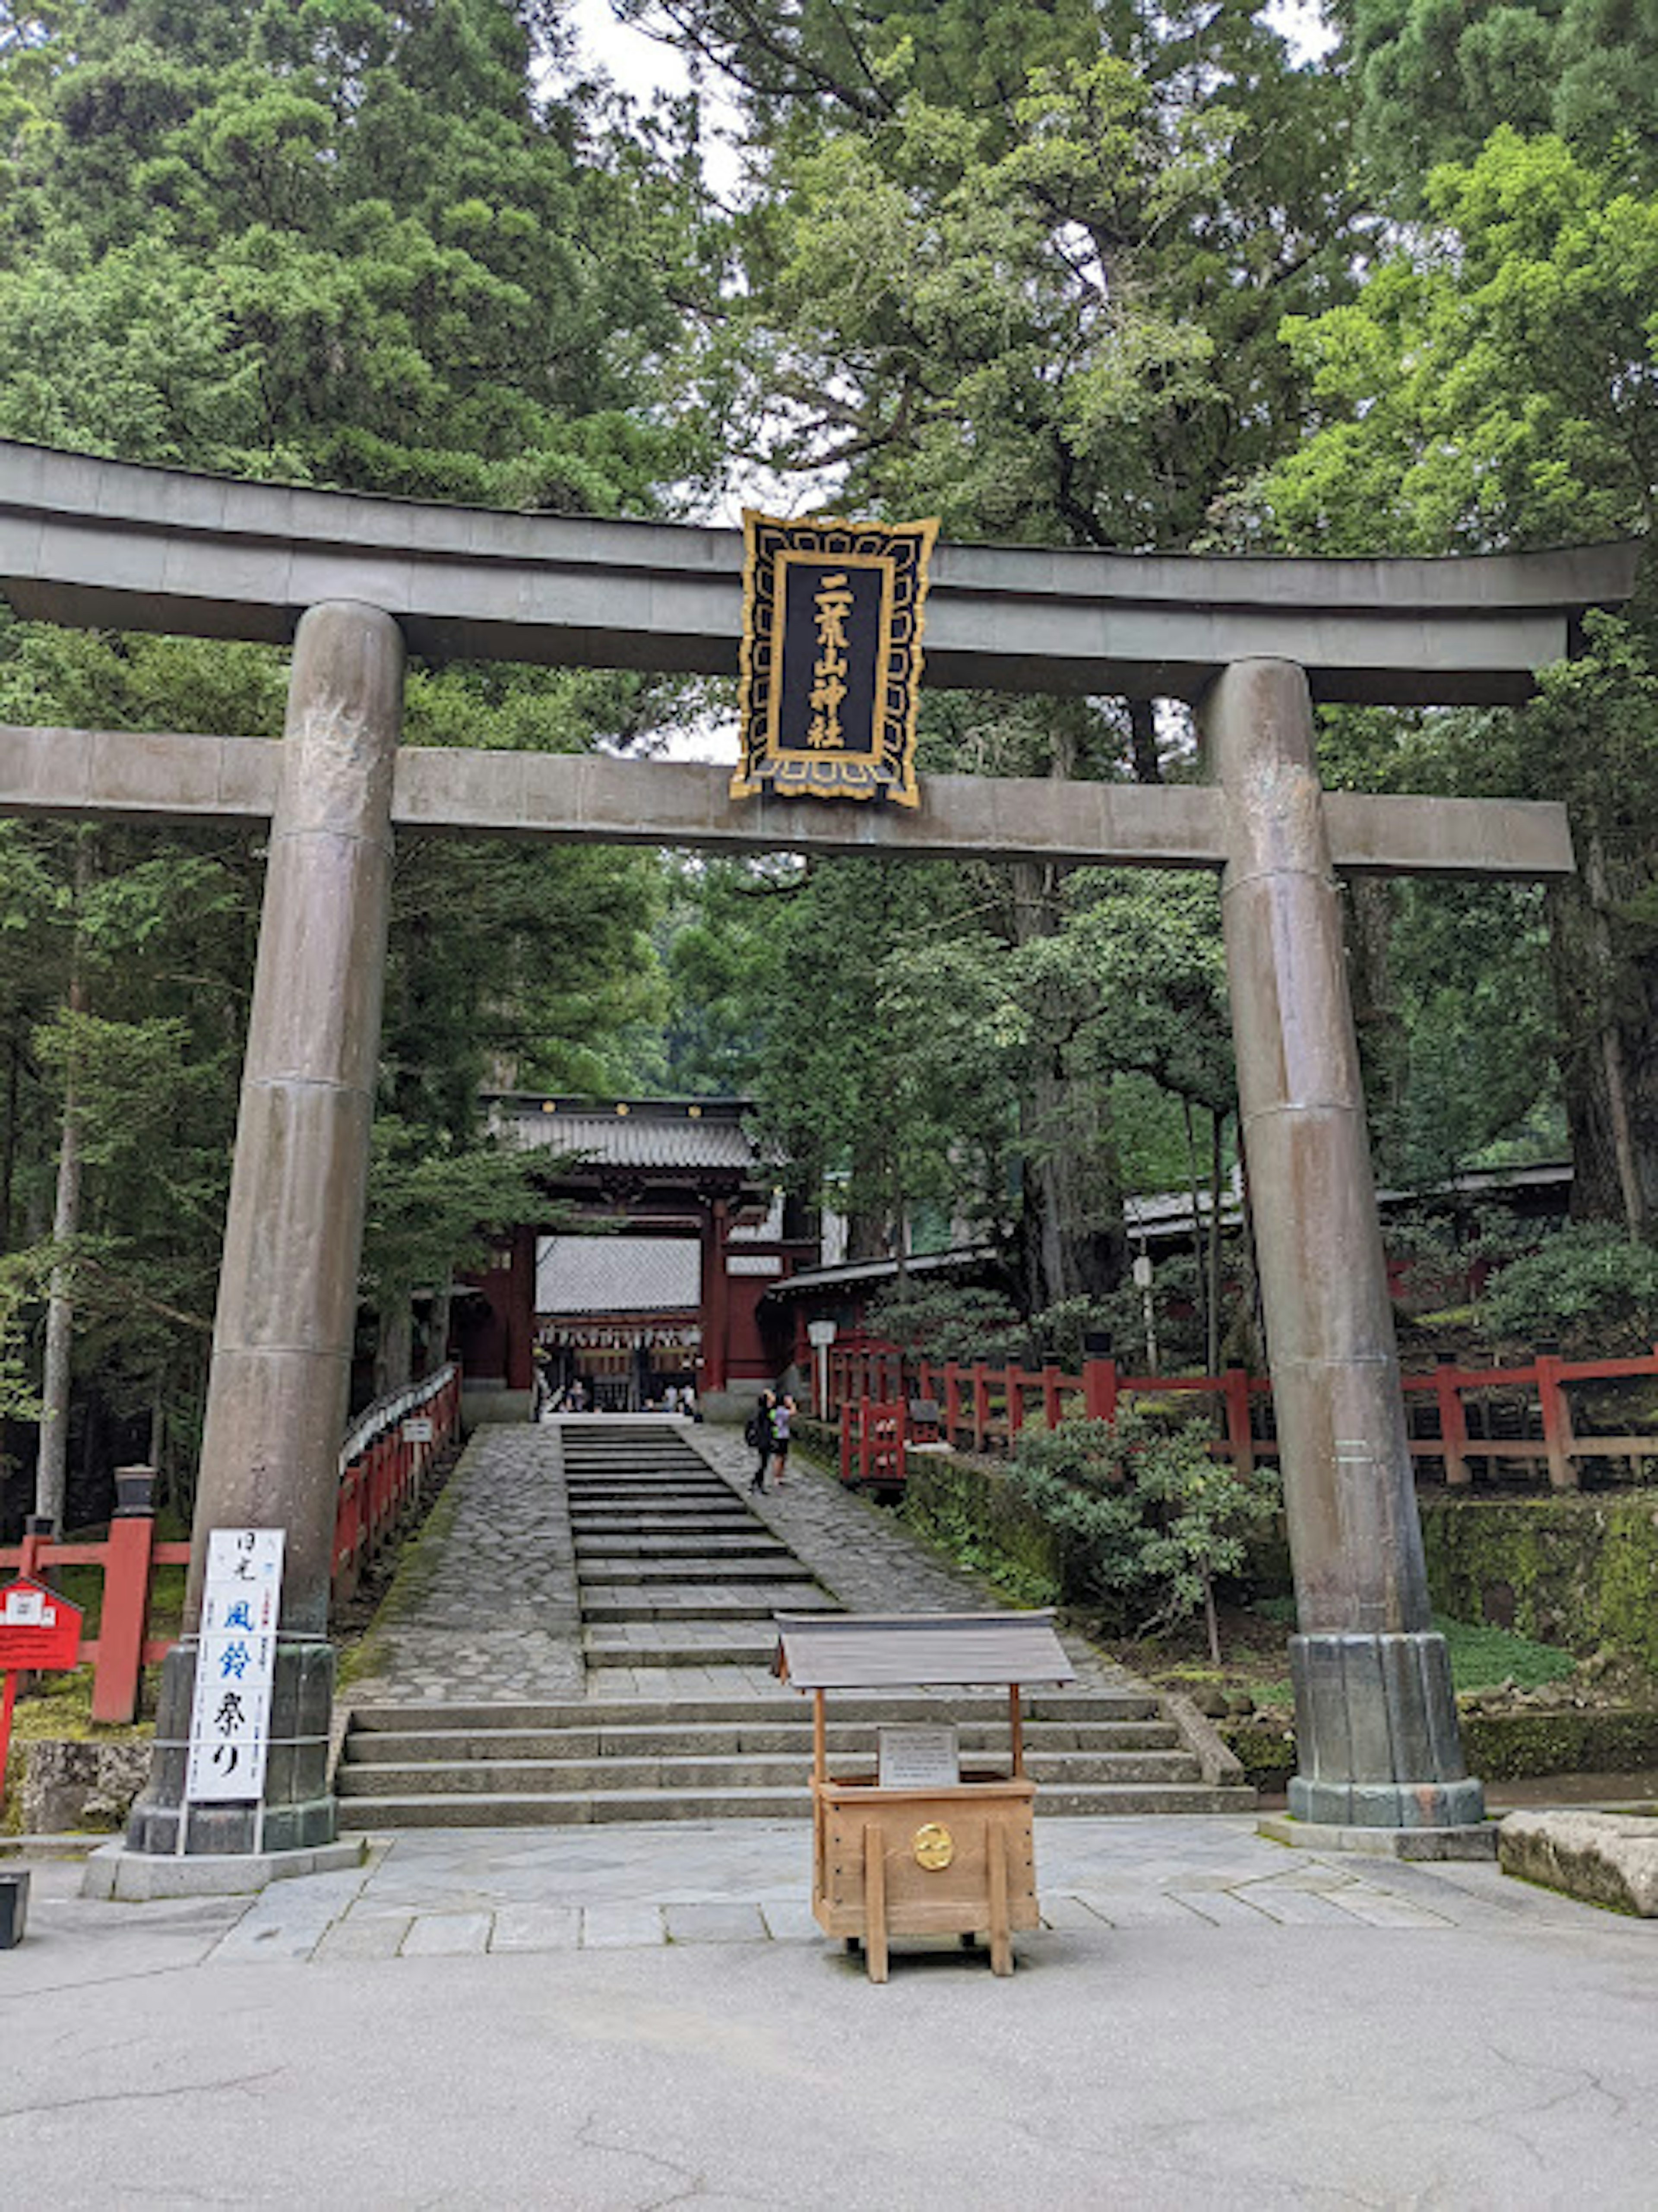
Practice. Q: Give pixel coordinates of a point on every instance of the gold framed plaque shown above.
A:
(831, 666)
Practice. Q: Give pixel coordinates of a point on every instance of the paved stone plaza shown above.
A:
(633, 2016)
(630, 2018)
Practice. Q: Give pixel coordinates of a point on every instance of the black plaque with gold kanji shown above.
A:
(831, 657)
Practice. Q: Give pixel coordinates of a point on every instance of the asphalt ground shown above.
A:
(1209, 2020)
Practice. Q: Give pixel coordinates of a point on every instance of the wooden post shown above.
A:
(864, 1428)
(1051, 1395)
(715, 1297)
(1100, 1390)
(1453, 1422)
(819, 1737)
(1235, 1383)
(981, 1404)
(1016, 1727)
(874, 1902)
(1001, 1933)
(121, 1627)
(952, 1400)
(1015, 1387)
(1557, 1422)
(846, 1441)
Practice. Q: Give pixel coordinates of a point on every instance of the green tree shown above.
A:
(392, 248)
(1148, 1518)
(1494, 386)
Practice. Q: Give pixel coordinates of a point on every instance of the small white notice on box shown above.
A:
(926, 1757)
(417, 1431)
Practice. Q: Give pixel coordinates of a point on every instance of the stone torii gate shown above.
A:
(355, 582)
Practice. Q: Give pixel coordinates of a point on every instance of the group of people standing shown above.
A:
(767, 1432)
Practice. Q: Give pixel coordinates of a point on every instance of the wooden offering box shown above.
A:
(922, 1846)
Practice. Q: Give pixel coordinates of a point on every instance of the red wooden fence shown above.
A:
(380, 1470)
(1455, 1415)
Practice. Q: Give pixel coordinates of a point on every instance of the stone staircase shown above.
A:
(672, 1568)
(675, 1572)
(548, 1765)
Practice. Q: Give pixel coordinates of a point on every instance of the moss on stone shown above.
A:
(1498, 1747)
(1578, 1570)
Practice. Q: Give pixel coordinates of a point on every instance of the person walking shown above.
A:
(782, 1421)
(757, 1434)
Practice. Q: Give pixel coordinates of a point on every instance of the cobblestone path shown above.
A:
(487, 1609)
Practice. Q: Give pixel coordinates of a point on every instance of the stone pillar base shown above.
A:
(298, 1813)
(1376, 1734)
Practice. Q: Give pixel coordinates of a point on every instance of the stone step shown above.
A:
(594, 1534)
(673, 1504)
(527, 1777)
(667, 1740)
(705, 1601)
(726, 1549)
(609, 1646)
(675, 1500)
(461, 1810)
(599, 1571)
(780, 1705)
(676, 1485)
(656, 1467)
(668, 1518)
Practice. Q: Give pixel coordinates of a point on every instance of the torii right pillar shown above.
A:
(1377, 1734)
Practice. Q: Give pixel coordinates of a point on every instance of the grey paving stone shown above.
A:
(364, 1936)
(620, 1927)
(1127, 1907)
(714, 1924)
(1293, 1907)
(537, 1927)
(1065, 1912)
(789, 1921)
(446, 1934)
(1376, 1908)
(1222, 1906)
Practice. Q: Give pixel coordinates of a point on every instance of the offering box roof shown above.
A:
(883, 1652)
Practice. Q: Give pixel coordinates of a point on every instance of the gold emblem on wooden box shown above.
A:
(933, 1845)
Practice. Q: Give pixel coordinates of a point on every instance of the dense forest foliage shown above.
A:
(1096, 273)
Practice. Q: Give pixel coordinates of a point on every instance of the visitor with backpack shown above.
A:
(782, 1420)
(757, 1435)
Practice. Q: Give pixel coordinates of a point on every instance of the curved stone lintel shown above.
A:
(88, 541)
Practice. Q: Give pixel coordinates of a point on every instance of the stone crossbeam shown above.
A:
(106, 543)
(172, 778)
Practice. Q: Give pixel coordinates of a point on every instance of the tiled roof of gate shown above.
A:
(652, 1132)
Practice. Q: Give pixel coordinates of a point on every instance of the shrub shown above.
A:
(1588, 1282)
(1147, 1517)
(948, 1321)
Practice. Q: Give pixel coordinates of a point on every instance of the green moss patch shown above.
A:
(1578, 1571)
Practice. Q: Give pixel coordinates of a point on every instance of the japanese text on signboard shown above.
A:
(831, 657)
(235, 1666)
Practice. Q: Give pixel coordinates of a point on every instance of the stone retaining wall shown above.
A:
(1581, 1571)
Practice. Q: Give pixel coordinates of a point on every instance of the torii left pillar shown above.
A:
(288, 1288)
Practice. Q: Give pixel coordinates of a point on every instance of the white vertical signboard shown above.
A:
(235, 1666)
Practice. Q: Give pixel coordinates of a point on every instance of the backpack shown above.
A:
(751, 1431)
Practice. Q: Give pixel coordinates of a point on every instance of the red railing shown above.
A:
(1455, 1415)
(873, 1438)
(381, 1465)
